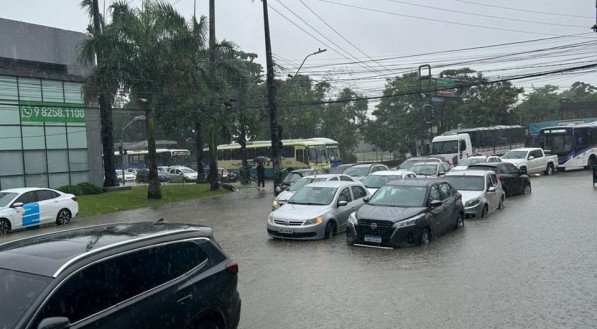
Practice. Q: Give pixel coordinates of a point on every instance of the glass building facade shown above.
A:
(43, 133)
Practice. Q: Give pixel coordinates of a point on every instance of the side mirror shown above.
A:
(441, 173)
(531, 157)
(491, 189)
(17, 205)
(366, 199)
(435, 203)
(342, 203)
(54, 323)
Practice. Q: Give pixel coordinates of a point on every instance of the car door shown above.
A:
(343, 212)
(493, 197)
(536, 163)
(449, 202)
(49, 205)
(436, 219)
(358, 193)
(29, 211)
(509, 176)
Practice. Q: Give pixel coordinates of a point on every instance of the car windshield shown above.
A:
(471, 161)
(339, 170)
(311, 195)
(357, 171)
(292, 178)
(515, 155)
(304, 181)
(426, 170)
(6, 197)
(467, 183)
(18, 291)
(399, 196)
(187, 170)
(376, 181)
(444, 147)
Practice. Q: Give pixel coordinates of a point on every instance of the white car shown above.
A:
(482, 191)
(379, 178)
(283, 197)
(23, 207)
(188, 174)
(128, 176)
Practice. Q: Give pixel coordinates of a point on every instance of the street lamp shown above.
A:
(319, 51)
(136, 118)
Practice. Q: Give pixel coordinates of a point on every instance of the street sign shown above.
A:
(445, 87)
(51, 112)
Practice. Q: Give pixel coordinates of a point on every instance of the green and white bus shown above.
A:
(295, 153)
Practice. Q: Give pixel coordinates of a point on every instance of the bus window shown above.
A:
(235, 154)
(262, 152)
(288, 152)
(300, 156)
(312, 155)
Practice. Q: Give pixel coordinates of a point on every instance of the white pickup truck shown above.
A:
(532, 160)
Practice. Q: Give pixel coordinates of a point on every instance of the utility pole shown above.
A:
(421, 107)
(271, 98)
(595, 26)
(107, 138)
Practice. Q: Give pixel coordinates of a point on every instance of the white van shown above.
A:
(452, 148)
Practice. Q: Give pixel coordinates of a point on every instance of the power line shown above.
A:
(432, 19)
(489, 16)
(523, 10)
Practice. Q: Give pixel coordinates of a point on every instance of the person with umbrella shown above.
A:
(260, 172)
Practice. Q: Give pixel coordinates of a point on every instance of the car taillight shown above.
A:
(74, 198)
(232, 267)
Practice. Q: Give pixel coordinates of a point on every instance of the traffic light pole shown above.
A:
(271, 98)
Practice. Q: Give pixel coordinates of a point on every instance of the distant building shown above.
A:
(48, 137)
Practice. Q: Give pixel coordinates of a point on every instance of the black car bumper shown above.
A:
(390, 236)
(234, 318)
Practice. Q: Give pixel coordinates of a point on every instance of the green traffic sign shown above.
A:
(51, 112)
(447, 83)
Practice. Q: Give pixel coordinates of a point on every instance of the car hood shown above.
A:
(469, 195)
(285, 195)
(299, 212)
(458, 168)
(515, 162)
(393, 214)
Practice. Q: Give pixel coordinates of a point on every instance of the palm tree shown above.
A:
(147, 56)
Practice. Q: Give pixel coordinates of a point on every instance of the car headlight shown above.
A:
(409, 222)
(314, 221)
(270, 219)
(472, 202)
(275, 203)
(353, 218)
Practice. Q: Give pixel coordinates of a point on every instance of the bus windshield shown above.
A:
(446, 147)
(333, 153)
(557, 143)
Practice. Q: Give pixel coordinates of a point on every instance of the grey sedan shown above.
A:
(318, 210)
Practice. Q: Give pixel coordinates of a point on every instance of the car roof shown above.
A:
(389, 172)
(468, 173)
(426, 163)
(426, 158)
(334, 184)
(49, 254)
(363, 165)
(298, 171)
(25, 189)
(487, 164)
(416, 182)
(325, 176)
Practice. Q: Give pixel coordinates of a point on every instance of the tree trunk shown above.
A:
(213, 164)
(199, 149)
(153, 191)
(242, 140)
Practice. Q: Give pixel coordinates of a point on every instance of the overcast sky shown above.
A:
(380, 29)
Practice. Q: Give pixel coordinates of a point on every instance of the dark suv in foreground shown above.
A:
(406, 212)
(140, 275)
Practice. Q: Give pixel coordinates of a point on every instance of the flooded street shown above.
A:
(529, 265)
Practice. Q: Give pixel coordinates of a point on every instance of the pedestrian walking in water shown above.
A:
(260, 175)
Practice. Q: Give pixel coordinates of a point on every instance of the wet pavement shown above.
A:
(532, 264)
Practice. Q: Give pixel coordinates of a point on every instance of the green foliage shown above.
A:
(81, 189)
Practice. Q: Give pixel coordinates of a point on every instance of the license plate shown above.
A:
(371, 238)
(286, 230)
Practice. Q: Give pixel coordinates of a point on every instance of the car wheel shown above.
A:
(63, 217)
(527, 189)
(330, 230)
(549, 170)
(425, 237)
(592, 162)
(523, 170)
(459, 221)
(4, 226)
(484, 212)
(501, 203)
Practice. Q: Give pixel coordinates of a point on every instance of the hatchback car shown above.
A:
(481, 191)
(140, 275)
(181, 174)
(297, 174)
(430, 169)
(318, 210)
(514, 181)
(283, 197)
(379, 178)
(360, 171)
(405, 213)
(23, 207)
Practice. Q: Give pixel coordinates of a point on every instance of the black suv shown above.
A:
(139, 275)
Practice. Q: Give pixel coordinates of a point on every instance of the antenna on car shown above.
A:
(159, 222)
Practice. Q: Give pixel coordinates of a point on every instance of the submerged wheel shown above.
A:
(484, 212)
(523, 170)
(64, 216)
(549, 170)
(527, 189)
(459, 221)
(425, 237)
(330, 230)
(4, 226)
(501, 203)
(592, 162)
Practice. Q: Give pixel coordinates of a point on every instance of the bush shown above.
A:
(88, 188)
(81, 189)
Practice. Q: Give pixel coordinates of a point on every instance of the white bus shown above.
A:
(164, 157)
(575, 146)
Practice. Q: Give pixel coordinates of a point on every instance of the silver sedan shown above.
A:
(318, 210)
